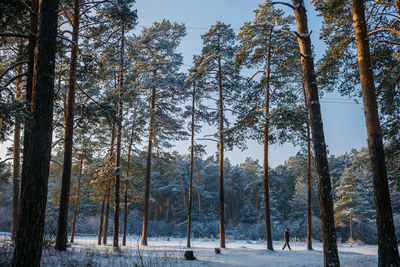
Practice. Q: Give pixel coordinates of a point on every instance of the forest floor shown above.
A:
(170, 251)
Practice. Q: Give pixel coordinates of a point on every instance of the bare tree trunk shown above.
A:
(331, 256)
(126, 184)
(29, 238)
(16, 164)
(387, 243)
(351, 227)
(221, 156)
(198, 191)
(62, 227)
(108, 189)
(148, 170)
(189, 226)
(309, 178)
(257, 207)
(33, 27)
(99, 232)
(183, 192)
(266, 137)
(119, 136)
(76, 201)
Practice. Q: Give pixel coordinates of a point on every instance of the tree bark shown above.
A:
(126, 183)
(77, 201)
(62, 227)
(331, 256)
(351, 227)
(108, 189)
(119, 136)
(198, 191)
(221, 155)
(33, 27)
(387, 243)
(148, 170)
(309, 178)
(266, 137)
(16, 163)
(189, 226)
(29, 238)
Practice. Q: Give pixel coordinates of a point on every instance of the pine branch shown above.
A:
(15, 34)
(68, 40)
(384, 30)
(11, 67)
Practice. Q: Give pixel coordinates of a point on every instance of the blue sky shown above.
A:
(343, 121)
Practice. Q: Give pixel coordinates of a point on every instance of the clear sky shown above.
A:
(343, 120)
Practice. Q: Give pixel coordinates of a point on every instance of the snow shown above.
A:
(169, 252)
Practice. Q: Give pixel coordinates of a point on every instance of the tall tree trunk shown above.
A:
(331, 256)
(99, 232)
(198, 191)
(119, 136)
(16, 163)
(183, 192)
(221, 155)
(309, 178)
(126, 183)
(77, 201)
(189, 226)
(62, 227)
(29, 238)
(257, 207)
(33, 28)
(108, 189)
(266, 137)
(148, 170)
(387, 244)
(351, 227)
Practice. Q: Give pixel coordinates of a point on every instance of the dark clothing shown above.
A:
(286, 238)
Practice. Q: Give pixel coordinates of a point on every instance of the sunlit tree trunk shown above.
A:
(77, 199)
(387, 243)
(118, 149)
(126, 183)
(33, 27)
(266, 137)
(330, 252)
(221, 155)
(108, 189)
(309, 178)
(148, 169)
(62, 226)
(189, 226)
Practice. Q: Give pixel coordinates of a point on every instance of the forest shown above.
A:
(93, 105)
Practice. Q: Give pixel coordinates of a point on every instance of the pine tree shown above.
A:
(331, 257)
(218, 67)
(388, 250)
(28, 243)
(258, 49)
(157, 66)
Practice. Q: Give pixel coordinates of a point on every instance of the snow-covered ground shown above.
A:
(169, 252)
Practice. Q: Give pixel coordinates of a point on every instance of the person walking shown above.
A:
(286, 238)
